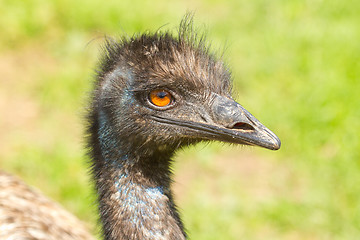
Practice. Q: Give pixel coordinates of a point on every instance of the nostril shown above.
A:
(204, 119)
(243, 126)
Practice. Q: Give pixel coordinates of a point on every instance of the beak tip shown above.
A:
(276, 144)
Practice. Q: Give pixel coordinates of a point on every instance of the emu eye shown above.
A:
(160, 98)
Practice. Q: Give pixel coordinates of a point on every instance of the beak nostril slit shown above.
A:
(203, 118)
(243, 126)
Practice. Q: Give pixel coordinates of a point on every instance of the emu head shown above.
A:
(159, 92)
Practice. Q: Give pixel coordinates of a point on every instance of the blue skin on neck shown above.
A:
(108, 143)
(143, 202)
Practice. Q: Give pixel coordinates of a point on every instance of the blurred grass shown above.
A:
(296, 67)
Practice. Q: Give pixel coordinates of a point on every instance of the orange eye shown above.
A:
(160, 98)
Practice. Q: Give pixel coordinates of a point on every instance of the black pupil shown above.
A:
(162, 94)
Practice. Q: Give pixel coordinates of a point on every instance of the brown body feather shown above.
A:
(27, 214)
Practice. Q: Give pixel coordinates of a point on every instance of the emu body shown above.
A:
(26, 214)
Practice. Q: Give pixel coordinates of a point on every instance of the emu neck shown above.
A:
(135, 200)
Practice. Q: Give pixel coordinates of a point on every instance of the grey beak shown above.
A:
(242, 127)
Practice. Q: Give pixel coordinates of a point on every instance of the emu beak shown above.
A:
(228, 122)
(237, 125)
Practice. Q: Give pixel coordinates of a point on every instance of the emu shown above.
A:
(154, 94)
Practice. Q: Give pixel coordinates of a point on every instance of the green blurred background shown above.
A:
(296, 67)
